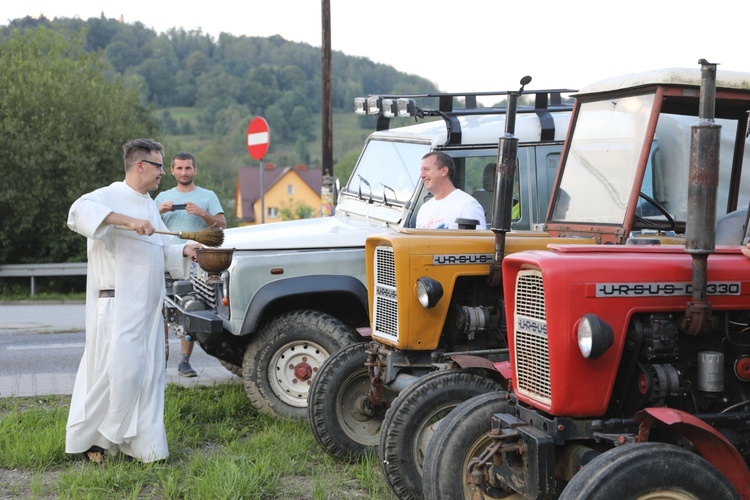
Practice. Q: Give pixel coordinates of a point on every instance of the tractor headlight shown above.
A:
(594, 336)
(429, 292)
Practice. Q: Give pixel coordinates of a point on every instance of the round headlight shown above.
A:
(429, 292)
(594, 336)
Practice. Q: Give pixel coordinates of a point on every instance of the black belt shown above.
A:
(106, 294)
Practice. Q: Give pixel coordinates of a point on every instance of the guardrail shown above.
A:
(35, 270)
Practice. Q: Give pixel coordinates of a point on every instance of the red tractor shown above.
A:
(629, 364)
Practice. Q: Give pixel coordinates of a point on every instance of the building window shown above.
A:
(290, 189)
(273, 213)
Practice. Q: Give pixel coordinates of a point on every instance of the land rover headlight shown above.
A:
(429, 292)
(594, 336)
(225, 288)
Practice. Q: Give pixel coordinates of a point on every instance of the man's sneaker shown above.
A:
(186, 370)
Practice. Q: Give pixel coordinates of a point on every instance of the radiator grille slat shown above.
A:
(530, 337)
(385, 310)
(206, 291)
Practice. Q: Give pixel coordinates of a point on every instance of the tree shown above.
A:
(61, 135)
(292, 210)
(302, 150)
(343, 168)
(122, 55)
(214, 81)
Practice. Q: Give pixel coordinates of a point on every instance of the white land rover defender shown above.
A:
(295, 291)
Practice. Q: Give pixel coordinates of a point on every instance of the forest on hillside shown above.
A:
(73, 91)
(226, 81)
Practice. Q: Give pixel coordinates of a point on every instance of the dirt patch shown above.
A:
(16, 483)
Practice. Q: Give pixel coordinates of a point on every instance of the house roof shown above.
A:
(248, 184)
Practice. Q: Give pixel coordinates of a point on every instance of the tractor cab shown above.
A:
(624, 166)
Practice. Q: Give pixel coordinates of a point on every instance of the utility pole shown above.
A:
(326, 191)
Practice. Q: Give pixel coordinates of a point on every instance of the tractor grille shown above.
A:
(531, 345)
(385, 311)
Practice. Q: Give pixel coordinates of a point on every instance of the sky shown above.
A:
(465, 45)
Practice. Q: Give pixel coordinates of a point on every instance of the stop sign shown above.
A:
(258, 138)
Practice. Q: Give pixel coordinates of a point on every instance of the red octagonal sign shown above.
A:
(258, 138)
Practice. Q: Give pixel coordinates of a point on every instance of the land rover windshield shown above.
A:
(388, 170)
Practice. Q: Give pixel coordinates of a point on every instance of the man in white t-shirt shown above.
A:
(448, 203)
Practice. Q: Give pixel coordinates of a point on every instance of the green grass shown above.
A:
(220, 447)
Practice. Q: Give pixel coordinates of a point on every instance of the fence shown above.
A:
(35, 270)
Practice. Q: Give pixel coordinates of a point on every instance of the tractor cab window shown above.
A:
(603, 160)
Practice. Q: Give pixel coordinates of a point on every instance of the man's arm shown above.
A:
(141, 226)
(217, 220)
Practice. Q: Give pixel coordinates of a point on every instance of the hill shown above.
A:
(204, 91)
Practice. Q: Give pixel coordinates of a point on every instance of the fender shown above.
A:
(709, 442)
(302, 285)
(469, 361)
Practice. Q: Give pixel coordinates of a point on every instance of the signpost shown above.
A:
(258, 139)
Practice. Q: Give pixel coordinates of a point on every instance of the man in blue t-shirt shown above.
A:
(188, 207)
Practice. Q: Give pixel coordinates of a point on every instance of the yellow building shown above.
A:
(290, 192)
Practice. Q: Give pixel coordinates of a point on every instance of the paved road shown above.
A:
(41, 345)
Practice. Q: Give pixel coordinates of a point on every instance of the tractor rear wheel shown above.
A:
(648, 471)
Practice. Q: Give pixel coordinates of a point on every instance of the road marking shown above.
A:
(57, 346)
(43, 346)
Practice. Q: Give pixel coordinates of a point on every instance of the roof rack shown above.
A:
(387, 106)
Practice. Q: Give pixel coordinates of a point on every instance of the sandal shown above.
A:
(95, 454)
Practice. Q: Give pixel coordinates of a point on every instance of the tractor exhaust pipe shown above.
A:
(507, 151)
(700, 233)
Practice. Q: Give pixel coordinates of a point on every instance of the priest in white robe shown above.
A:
(118, 398)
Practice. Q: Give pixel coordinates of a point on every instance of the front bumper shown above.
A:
(199, 325)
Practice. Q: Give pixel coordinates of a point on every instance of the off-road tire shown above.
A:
(234, 369)
(461, 437)
(291, 340)
(634, 470)
(341, 417)
(412, 419)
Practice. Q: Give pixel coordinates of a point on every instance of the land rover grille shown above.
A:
(207, 291)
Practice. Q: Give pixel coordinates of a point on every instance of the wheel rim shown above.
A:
(476, 450)
(666, 495)
(426, 432)
(354, 411)
(292, 368)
